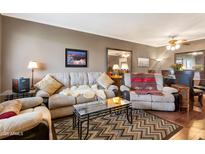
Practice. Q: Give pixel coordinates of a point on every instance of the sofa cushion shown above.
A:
(58, 100)
(142, 105)
(166, 97)
(137, 97)
(78, 78)
(81, 99)
(104, 80)
(48, 84)
(92, 77)
(63, 78)
(167, 106)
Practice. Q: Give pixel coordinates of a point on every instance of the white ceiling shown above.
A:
(150, 29)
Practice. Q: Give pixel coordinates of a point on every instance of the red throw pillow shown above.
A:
(6, 115)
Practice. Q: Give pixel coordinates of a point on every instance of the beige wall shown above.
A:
(0, 50)
(24, 41)
(169, 55)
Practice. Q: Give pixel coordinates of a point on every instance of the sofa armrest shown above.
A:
(42, 93)
(30, 102)
(18, 124)
(112, 87)
(124, 88)
(126, 95)
(40, 132)
(170, 90)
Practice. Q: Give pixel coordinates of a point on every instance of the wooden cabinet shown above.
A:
(184, 93)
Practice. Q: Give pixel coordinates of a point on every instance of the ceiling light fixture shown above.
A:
(175, 44)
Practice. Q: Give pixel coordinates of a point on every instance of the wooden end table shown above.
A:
(184, 93)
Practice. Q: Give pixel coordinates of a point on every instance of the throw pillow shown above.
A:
(7, 115)
(1, 107)
(11, 108)
(104, 80)
(49, 84)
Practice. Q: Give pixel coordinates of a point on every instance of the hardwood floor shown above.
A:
(193, 122)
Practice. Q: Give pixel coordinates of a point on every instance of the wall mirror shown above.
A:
(119, 60)
(191, 60)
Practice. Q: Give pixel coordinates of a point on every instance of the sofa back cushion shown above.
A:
(63, 78)
(78, 78)
(92, 77)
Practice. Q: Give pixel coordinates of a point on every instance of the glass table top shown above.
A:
(100, 105)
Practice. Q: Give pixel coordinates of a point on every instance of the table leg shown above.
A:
(79, 129)
(74, 121)
(88, 123)
(129, 115)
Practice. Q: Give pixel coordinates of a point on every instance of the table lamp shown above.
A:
(115, 69)
(124, 67)
(32, 65)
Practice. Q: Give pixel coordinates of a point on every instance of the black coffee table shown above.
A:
(87, 111)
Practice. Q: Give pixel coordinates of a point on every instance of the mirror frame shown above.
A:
(130, 51)
(187, 53)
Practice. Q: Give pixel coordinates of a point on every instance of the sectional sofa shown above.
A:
(62, 105)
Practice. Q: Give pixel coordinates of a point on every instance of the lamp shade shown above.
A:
(196, 76)
(115, 67)
(32, 65)
(124, 66)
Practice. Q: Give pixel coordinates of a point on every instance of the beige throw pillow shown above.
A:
(104, 80)
(49, 84)
(11, 106)
(1, 107)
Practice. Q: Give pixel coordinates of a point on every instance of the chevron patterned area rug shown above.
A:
(145, 126)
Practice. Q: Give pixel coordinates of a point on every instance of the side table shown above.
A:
(9, 95)
(184, 93)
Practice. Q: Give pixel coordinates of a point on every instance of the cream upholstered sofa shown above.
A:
(169, 101)
(33, 120)
(62, 105)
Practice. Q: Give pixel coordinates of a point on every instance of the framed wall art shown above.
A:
(143, 62)
(76, 58)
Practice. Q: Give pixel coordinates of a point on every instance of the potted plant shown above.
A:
(177, 67)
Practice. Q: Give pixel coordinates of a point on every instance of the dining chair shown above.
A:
(186, 78)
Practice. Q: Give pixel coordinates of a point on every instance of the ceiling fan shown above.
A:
(175, 44)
